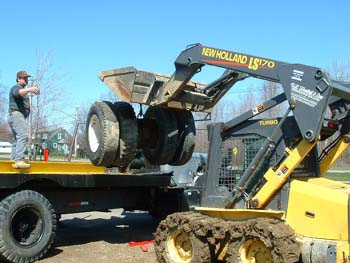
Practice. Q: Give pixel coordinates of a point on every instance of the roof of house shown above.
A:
(49, 130)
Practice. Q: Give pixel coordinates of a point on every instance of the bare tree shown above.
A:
(3, 102)
(270, 90)
(247, 100)
(108, 95)
(341, 71)
(5, 133)
(52, 95)
(82, 140)
(46, 106)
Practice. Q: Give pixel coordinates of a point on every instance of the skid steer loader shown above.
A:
(277, 206)
(268, 202)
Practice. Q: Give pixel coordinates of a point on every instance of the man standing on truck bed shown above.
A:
(19, 109)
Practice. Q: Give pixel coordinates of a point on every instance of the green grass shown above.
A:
(339, 176)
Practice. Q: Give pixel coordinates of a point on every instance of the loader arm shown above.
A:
(309, 91)
(309, 86)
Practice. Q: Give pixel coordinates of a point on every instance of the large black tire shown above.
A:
(27, 227)
(176, 243)
(187, 138)
(102, 133)
(166, 124)
(128, 134)
(264, 238)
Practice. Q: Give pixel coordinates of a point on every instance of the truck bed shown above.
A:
(79, 175)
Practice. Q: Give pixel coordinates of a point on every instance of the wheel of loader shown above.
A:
(254, 251)
(167, 135)
(187, 137)
(175, 245)
(27, 227)
(128, 134)
(264, 240)
(102, 133)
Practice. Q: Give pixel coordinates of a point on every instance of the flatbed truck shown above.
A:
(31, 201)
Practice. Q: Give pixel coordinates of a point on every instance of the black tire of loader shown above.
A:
(16, 213)
(108, 142)
(275, 234)
(128, 134)
(187, 138)
(200, 248)
(165, 148)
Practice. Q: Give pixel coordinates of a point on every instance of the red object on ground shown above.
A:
(141, 244)
(46, 155)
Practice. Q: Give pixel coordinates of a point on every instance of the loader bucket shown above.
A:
(136, 86)
(132, 85)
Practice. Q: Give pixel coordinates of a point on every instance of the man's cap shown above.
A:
(22, 74)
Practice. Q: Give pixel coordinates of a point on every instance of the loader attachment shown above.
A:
(136, 86)
(130, 84)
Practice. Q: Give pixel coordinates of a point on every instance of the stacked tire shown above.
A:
(112, 134)
(177, 134)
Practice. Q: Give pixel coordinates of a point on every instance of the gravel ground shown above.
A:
(103, 237)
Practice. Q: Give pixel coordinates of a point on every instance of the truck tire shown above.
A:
(102, 133)
(166, 124)
(27, 227)
(128, 134)
(187, 138)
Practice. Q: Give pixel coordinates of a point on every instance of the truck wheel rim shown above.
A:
(254, 251)
(180, 247)
(94, 133)
(26, 227)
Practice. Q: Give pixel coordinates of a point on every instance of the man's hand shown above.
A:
(35, 90)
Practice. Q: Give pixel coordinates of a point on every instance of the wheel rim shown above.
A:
(27, 227)
(180, 247)
(254, 251)
(94, 133)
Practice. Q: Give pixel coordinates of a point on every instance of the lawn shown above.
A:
(339, 176)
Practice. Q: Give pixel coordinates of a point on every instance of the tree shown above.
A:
(5, 134)
(52, 98)
(247, 100)
(341, 71)
(52, 95)
(82, 140)
(108, 95)
(270, 90)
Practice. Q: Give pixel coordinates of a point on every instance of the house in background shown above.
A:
(5, 147)
(57, 140)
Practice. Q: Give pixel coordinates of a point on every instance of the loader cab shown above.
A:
(234, 150)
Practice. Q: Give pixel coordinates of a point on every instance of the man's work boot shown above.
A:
(21, 165)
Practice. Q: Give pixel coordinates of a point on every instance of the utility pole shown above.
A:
(30, 141)
(77, 121)
(75, 136)
(32, 148)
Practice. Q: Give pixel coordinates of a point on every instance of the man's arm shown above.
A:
(25, 91)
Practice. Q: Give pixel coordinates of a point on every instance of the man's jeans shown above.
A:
(20, 133)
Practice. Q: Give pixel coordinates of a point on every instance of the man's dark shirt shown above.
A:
(17, 102)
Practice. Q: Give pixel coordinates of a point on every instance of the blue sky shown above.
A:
(86, 37)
